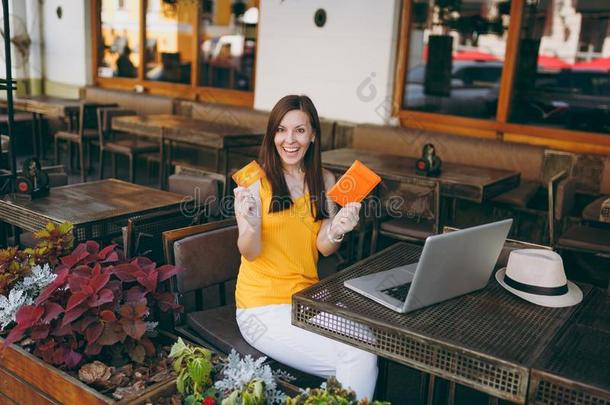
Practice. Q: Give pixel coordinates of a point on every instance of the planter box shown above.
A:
(26, 379)
(168, 389)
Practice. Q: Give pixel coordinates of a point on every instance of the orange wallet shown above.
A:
(357, 182)
(249, 174)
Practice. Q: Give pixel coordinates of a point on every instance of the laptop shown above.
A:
(451, 264)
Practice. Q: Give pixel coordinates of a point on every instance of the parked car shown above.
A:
(575, 99)
(473, 93)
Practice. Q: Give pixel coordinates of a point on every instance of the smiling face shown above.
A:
(293, 137)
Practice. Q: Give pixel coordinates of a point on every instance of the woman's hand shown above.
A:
(345, 220)
(246, 207)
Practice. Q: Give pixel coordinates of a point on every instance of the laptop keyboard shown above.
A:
(399, 291)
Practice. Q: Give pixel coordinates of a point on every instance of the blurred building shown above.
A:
(360, 61)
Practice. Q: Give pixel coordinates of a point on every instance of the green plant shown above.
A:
(13, 267)
(330, 393)
(243, 378)
(253, 393)
(53, 241)
(194, 367)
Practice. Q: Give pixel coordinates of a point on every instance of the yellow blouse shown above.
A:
(288, 259)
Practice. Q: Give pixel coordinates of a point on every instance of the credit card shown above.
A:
(249, 174)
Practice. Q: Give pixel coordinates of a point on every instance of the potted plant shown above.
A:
(330, 392)
(207, 378)
(90, 322)
(25, 273)
(249, 381)
(195, 370)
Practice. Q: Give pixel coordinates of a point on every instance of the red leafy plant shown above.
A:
(97, 300)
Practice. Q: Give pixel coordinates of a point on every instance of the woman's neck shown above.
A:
(293, 170)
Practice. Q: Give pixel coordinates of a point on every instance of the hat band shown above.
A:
(534, 289)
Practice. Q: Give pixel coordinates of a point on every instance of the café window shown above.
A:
(189, 47)
(562, 75)
(456, 57)
(227, 44)
(168, 53)
(119, 47)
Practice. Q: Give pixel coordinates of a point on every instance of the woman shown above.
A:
(284, 220)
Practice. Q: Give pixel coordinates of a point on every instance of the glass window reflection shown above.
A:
(169, 31)
(563, 66)
(227, 44)
(456, 55)
(119, 45)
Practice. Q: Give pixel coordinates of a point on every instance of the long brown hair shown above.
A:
(272, 162)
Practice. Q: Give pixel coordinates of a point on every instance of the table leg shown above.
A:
(162, 164)
(381, 391)
(225, 155)
(35, 134)
(17, 235)
(431, 386)
(493, 401)
(451, 393)
(447, 214)
(40, 138)
(3, 239)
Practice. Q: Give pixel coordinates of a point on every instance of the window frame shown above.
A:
(186, 91)
(498, 128)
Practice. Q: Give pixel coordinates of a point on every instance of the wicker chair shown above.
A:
(210, 261)
(580, 239)
(584, 238)
(517, 201)
(142, 236)
(413, 206)
(204, 187)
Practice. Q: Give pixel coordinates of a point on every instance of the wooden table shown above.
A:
(488, 340)
(48, 106)
(472, 183)
(96, 209)
(176, 128)
(45, 105)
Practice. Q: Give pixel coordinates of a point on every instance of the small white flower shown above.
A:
(9, 306)
(24, 292)
(239, 372)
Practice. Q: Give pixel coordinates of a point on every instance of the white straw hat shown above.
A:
(537, 275)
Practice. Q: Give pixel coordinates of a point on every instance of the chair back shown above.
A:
(104, 121)
(57, 176)
(144, 232)
(207, 254)
(204, 187)
(414, 198)
(560, 191)
(87, 118)
(554, 163)
(327, 135)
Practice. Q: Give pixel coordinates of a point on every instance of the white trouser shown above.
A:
(269, 330)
